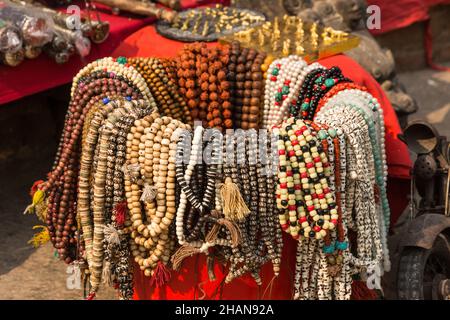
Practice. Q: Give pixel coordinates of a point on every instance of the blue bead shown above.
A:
(106, 100)
(128, 98)
(341, 245)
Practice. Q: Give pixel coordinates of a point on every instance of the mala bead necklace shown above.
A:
(252, 90)
(215, 90)
(315, 86)
(151, 239)
(164, 89)
(70, 142)
(360, 164)
(272, 88)
(231, 75)
(370, 109)
(239, 85)
(289, 84)
(303, 194)
(190, 245)
(186, 74)
(118, 66)
(117, 247)
(335, 89)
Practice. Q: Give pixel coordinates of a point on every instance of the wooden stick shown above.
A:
(141, 8)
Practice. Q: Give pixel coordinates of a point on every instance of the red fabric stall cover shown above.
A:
(402, 13)
(192, 281)
(43, 73)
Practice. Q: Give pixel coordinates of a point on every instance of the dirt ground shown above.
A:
(28, 273)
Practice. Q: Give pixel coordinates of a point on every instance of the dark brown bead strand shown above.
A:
(239, 91)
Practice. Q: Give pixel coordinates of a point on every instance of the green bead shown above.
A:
(275, 71)
(305, 106)
(318, 80)
(329, 82)
(322, 134)
(332, 132)
(285, 90)
(278, 96)
(121, 60)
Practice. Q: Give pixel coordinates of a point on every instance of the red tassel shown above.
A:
(35, 187)
(161, 275)
(120, 212)
(361, 292)
(91, 296)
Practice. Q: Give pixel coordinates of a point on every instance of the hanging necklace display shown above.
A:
(208, 24)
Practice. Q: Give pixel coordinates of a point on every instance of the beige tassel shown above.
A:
(234, 207)
(149, 193)
(106, 273)
(111, 234)
(183, 252)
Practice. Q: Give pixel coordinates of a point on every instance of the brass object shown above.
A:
(208, 24)
(290, 35)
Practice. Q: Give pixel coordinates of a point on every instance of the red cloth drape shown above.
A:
(402, 13)
(192, 281)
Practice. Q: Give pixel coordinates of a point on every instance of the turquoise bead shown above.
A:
(285, 90)
(121, 60)
(318, 80)
(275, 72)
(329, 249)
(332, 132)
(322, 134)
(305, 106)
(329, 82)
(341, 245)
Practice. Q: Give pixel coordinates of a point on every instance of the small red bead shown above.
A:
(283, 98)
(310, 208)
(310, 165)
(287, 82)
(289, 173)
(317, 228)
(298, 187)
(278, 196)
(323, 87)
(284, 226)
(302, 219)
(314, 195)
(307, 100)
(279, 89)
(292, 152)
(317, 159)
(304, 128)
(277, 103)
(326, 190)
(292, 208)
(294, 143)
(304, 175)
(283, 185)
(296, 237)
(334, 221)
(281, 152)
(326, 164)
(321, 196)
(278, 65)
(298, 133)
(273, 78)
(304, 113)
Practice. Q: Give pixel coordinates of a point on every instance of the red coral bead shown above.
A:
(292, 153)
(310, 165)
(317, 228)
(283, 185)
(302, 219)
(310, 208)
(281, 152)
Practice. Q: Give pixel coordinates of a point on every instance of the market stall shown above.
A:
(213, 230)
